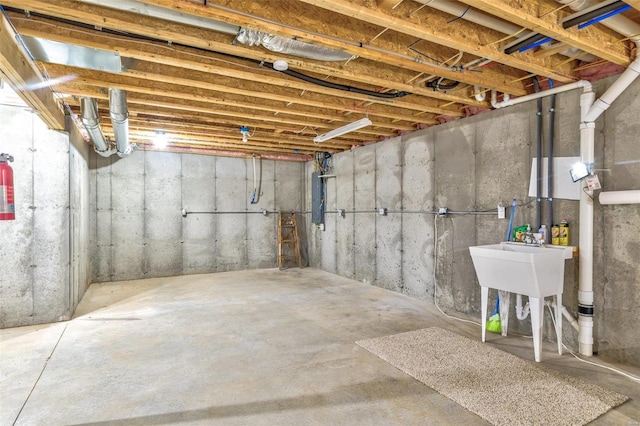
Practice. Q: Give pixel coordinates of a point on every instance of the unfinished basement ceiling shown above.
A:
(404, 64)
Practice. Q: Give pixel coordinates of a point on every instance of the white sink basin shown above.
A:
(536, 272)
(522, 269)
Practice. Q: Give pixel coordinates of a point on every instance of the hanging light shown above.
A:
(348, 128)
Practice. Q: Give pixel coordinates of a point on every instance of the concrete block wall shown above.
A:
(138, 230)
(392, 251)
(43, 256)
(471, 165)
(79, 262)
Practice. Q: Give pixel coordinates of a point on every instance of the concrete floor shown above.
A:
(262, 347)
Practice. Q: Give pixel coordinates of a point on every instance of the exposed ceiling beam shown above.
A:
(428, 29)
(127, 22)
(209, 62)
(141, 102)
(490, 78)
(257, 140)
(190, 90)
(634, 3)
(387, 4)
(253, 143)
(23, 76)
(589, 39)
(212, 121)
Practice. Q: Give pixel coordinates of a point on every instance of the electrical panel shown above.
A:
(317, 198)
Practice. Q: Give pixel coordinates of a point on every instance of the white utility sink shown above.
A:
(522, 269)
(533, 271)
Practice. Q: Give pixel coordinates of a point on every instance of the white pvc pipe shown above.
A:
(514, 101)
(585, 286)
(568, 316)
(521, 312)
(620, 197)
(463, 11)
(616, 89)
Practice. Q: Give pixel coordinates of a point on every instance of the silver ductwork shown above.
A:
(289, 46)
(251, 37)
(120, 120)
(91, 122)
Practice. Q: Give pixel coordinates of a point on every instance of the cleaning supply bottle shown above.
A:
(563, 234)
(543, 232)
(555, 235)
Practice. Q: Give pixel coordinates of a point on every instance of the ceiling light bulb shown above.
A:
(160, 140)
(280, 65)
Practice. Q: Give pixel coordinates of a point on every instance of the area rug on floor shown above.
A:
(499, 387)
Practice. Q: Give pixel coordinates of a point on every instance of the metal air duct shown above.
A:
(120, 120)
(91, 122)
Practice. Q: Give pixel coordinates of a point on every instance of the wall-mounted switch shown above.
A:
(382, 212)
(501, 211)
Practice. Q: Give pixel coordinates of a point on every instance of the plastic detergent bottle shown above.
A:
(543, 232)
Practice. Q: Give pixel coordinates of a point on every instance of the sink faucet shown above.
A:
(530, 238)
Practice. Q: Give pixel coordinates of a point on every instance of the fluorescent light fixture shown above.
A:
(351, 127)
(579, 171)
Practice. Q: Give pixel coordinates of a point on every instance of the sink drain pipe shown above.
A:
(590, 110)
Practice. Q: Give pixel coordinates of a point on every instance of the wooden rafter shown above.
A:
(213, 41)
(490, 78)
(634, 3)
(23, 75)
(418, 26)
(210, 63)
(199, 91)
(590, 39)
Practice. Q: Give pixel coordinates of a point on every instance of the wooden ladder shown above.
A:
(288, 242)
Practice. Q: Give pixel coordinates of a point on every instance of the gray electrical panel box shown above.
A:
(317, 198)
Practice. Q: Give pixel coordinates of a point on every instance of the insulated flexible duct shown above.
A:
(289, 46)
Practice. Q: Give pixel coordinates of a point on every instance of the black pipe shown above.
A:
(337, 86)
(552, 132)
(524, 43)
(291, 73)
(593, 14)
(536, 86)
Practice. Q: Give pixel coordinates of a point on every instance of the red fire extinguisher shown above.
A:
(7, 203)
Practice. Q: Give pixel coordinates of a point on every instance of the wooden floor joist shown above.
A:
(406, 65)
(24, 77)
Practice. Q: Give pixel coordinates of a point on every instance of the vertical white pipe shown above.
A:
(585, 289)
(590, 110)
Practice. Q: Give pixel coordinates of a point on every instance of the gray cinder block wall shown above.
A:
(471, 165)
(138, 231)
(43, 253)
